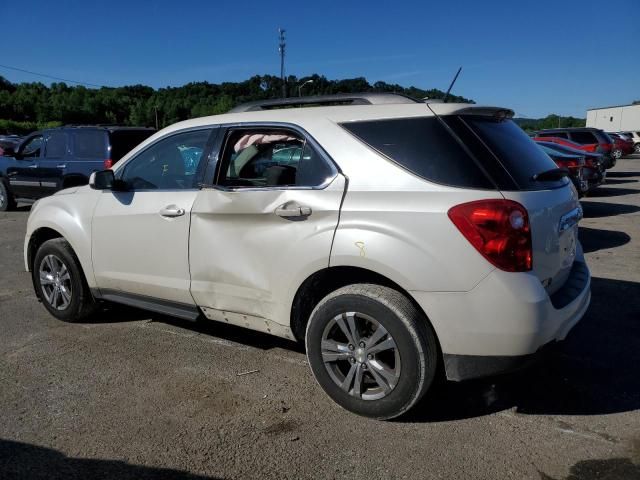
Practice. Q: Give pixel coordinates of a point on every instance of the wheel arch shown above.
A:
(319, 284)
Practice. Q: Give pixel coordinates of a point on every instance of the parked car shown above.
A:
(54, 159)
(593, 171)
(573, 163)
(397, 239)
(621, 145)
(593, 139)
(635, 138)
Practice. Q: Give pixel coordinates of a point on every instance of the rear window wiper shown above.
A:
(553, 174)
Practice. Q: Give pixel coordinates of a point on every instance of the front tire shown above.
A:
(60, 283)
(371, 350)
(7, 201)
(636, 147)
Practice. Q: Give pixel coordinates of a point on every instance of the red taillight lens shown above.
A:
(591, 148)
(108, 163)
(499, 230)
(569, 164)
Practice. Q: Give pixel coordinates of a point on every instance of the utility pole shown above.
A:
(281, 50)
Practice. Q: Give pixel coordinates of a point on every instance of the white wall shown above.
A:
(615, 119)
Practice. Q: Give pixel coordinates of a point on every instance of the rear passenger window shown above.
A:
(90, 144)
(272, 158)
(56, 145)
(424, 147)
(583, 137)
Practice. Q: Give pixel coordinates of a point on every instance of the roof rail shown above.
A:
(367, 98)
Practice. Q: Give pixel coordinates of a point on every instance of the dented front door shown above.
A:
(251, 249)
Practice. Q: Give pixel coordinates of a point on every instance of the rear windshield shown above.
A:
(603, 137)
(584, 138)
(518, 154)
(123, 141)
(423, 146)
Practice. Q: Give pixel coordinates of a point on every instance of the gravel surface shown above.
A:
(134, 395)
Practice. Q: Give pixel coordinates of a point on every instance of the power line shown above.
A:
(50, 76)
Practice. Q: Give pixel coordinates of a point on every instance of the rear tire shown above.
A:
(636, 148)
(60, 283)
(7, 201)
(371, 350)
(617, 154)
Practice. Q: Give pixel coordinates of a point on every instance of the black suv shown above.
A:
(53, 159)
(585, 136)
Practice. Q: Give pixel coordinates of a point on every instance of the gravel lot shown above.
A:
(133, 395)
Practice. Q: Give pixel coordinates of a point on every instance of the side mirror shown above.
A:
(103, 180)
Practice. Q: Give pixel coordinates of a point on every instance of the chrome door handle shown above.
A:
(292, 210)
(172, 211)
(62, 165)
(32, 166)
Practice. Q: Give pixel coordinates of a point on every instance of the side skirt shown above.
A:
(158, 305)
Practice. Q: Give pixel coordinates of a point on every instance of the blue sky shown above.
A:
(535, 57)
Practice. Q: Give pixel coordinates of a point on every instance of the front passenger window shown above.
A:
(173, 163)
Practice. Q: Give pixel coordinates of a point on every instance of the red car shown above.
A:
(590, 139)
(621, 146)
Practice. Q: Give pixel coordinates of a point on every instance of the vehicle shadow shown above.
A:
(24, 460)
(594, 239)
(622, 174)
(611, 192)
(593, 372)
(114, 313)
(614, 181)
(592, 209)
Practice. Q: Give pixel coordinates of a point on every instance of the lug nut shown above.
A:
(361, 344)
(351, 347)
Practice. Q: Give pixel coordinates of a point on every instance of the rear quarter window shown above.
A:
(518, 154)
(424, 147)
(123, 141)
(90, 144)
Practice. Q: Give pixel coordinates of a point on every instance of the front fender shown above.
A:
(71, 217)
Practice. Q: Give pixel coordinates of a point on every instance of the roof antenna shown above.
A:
(446, 95)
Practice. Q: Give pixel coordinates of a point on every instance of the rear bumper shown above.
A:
(504, 322)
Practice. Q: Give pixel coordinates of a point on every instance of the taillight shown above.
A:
(591, 148)
(569, 164)
(499, 230)
(108, 163)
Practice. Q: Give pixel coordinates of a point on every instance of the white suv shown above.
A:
(393, 237)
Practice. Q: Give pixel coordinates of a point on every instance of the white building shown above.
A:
(619, 118)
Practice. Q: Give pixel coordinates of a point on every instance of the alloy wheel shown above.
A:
(55, 282)
(361, 356)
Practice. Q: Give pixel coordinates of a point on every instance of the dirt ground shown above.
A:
(133, 395)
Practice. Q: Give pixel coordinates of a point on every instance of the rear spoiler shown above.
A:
(467, 109)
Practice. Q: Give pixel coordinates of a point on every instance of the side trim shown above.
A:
(23, 183)
(158, 305)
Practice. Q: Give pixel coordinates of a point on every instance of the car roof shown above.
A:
(340, 114)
